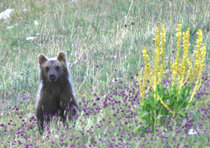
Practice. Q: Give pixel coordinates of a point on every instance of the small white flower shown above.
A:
(113, 56)
(24, 10)
(6, 14)
(30, 38)
(56, 136)
(36, 23)
(192, 132)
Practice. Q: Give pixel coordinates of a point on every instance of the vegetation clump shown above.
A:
(165, 94)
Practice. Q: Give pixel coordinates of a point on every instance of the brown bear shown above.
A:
(56, 94)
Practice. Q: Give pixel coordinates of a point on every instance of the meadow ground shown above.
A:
(103, 40)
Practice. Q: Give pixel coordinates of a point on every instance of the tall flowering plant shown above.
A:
(161, 96)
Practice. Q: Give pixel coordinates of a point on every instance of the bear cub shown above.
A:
(56, 94)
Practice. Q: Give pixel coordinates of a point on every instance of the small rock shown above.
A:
(12, 26)
(31, 38)
(6, 14)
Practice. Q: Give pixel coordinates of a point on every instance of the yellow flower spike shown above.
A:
(163, 36)
(197, 54)
(157, 58)
(199, 63)
(203, 53)
(184, 65)
(189, 69)
(176, 64)
(174, 72)
(147, 71)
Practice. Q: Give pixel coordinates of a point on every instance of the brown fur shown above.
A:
(56, 94)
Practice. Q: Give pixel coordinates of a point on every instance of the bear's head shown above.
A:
(52, 69)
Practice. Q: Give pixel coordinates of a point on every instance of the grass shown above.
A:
(103, 41)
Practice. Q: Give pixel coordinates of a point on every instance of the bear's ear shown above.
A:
(61, 57)
(42, 59)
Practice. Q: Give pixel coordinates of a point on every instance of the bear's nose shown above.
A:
(52, 77)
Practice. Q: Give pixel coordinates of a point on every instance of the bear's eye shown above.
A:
(47, 69)
(57, 68)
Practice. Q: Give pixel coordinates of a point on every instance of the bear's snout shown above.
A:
(52, 77)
